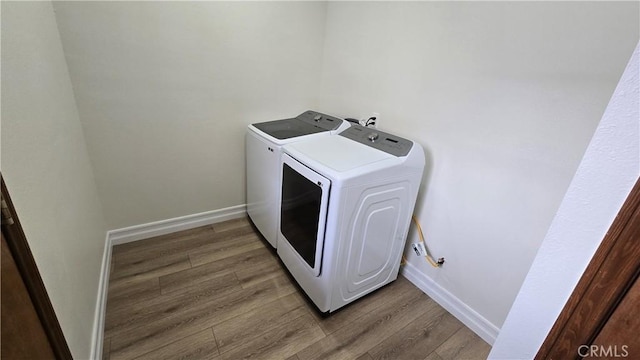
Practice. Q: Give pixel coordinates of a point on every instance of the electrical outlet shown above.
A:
(419, 249)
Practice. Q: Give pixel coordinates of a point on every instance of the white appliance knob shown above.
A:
(317, 118)
(372, 137)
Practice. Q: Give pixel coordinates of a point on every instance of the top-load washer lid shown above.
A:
(309, 122)
(355, 148)
(336, 152)
(287, 128)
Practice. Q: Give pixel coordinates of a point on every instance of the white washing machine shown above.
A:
(346, 206)
(264, 143)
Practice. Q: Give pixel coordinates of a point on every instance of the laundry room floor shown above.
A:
(220, 292)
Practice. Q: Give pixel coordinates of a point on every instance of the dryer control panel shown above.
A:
(380, 140)
(320, 120)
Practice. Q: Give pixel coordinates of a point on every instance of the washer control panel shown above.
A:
(377, 139)
(320, 120)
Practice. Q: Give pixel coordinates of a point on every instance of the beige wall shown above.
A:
(503, 96)
(47, 169)
(165, 91)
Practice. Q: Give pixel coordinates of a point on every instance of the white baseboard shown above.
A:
(145, 231)
(156, 228)
(474, 321)
(101, 305)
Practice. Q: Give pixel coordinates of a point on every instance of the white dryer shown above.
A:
(346, 206)
(264, 143)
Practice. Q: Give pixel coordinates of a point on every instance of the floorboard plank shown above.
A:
(144, 313)
(162, 241)
(422, 336)
(357, 337)
(279, 343)
(129, 292)
(198, 274)
(223, 249)
(126, 299)
(463, 345)
(259, 272)
(226, 226)
(135, 341)
(364, 356)
(433, 356)
(201, 345)
(150, 268)
(237, 331)
(186, 241)
(362, 306)
(106, 345)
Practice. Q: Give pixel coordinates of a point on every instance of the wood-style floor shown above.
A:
(220, 292)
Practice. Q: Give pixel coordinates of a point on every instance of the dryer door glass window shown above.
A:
(303, 211)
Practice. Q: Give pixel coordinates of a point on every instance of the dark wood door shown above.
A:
(27, 313)
(620, 335)
(600, 319)
(23, 336)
